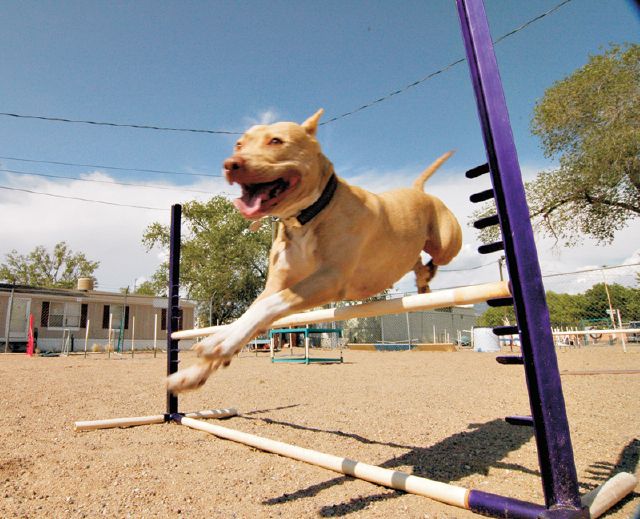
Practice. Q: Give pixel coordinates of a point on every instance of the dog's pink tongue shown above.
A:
(250, 206)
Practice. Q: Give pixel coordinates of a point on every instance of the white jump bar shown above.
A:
(440, 299)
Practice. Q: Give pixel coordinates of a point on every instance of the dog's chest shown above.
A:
(292, 254)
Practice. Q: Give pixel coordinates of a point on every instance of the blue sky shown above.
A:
(226, 65)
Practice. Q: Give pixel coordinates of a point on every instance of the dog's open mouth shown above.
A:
(257, 199)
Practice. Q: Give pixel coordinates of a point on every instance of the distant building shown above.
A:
(442, 325)
(61, 318)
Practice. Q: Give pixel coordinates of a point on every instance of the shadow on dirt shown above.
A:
(473, 451)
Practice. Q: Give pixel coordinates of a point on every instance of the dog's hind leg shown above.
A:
(424, 274)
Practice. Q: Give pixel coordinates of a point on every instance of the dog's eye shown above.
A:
(238, 145)
(276, 140)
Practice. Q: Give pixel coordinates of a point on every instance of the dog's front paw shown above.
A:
(221, 347)
(209, 347)
(218, 355)
(192, 377)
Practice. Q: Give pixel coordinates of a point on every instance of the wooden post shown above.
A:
(8, 327)
(606, 289)
(622, 336)
(155, 334)
(110, 333)
(86, 338)
(408, 329)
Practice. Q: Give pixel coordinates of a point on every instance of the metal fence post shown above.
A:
(8, 326)
(173, 310)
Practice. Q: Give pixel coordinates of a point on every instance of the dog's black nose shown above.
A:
(233, 163)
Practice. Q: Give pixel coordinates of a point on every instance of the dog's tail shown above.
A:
(419, 182)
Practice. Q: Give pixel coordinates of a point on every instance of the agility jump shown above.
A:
(525, 293)
(597, 501)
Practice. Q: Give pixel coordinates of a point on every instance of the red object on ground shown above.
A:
(30, 341)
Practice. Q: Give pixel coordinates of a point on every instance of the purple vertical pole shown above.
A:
(173, 310)
(555, 453)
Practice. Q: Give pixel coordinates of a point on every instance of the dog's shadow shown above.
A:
(473, 451)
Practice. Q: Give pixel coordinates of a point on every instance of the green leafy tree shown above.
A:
(590, 122)
(625, 299)
(60, 268)
(496, 316)
(579, 310)
(145, 288)
(148, 288)
(565, 310)
(223, 265)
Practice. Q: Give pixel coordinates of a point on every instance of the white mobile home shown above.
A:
(62, 318)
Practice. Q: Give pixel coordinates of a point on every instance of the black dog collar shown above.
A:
(306, 215)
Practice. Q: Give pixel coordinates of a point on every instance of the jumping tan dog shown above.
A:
(334, 241)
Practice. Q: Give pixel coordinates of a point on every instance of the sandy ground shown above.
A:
(437, 415)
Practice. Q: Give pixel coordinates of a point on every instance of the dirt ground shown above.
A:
(437, 415)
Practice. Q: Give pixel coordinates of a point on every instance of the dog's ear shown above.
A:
(311, 124)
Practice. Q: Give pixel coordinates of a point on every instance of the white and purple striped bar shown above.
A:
(477, 501)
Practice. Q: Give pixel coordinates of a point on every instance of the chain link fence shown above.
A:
(445, 325)
(591, 303)
(595, 302)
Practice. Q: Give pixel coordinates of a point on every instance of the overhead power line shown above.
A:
(596, 269)
(469, 268)
(82, 199)
(333, 119)
(115, 168)
(557, 274)
(533, 20)
(443, 69)
(112, 182)
(118, 125)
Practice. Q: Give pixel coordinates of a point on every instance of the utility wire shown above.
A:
(112, 182)
(333, 119)
(148, 127)
(392, 94)
(444, 69)
(533, 20)
(467, 269)
(118, 125)
(164, 172)
(83, 199)
(597, 269)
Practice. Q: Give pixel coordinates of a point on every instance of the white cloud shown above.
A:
(112, 235)
(268, 116)
(108, 234)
